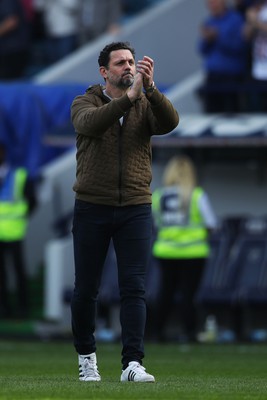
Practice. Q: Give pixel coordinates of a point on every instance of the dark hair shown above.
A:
(104, 56)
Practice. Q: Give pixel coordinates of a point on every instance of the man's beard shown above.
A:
(126, 82)
(122, 83)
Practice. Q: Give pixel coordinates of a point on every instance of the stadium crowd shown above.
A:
(37, 33)
(233, 46)
(232, 43)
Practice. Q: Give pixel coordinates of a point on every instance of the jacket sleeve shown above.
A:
(163, 117)
(92, 118)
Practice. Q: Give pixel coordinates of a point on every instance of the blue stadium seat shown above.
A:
(236, 268)
(217, 284)
(251, 255)
(235, 278)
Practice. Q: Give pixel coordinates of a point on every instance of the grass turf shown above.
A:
(48, 370)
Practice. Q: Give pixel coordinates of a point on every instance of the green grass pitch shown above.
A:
(48, 370)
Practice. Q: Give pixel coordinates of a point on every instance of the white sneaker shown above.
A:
(88, 368)
(135, 372)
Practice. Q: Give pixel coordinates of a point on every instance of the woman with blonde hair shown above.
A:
(183, 217)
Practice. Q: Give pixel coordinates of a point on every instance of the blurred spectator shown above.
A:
(183, 218)
(223, 49)
(17, 202)
(39, 30)
(256, 31)
(242, 5)
(61, 20)
(14, 40)
(136, 6)
(28, 8)
(100, 16)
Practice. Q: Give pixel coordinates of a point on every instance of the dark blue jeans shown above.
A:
(130, 228)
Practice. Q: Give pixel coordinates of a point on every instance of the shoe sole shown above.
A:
(89, 380)
(147, 381)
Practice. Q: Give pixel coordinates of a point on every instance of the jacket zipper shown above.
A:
(120, 162)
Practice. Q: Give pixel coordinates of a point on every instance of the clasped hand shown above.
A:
(143, 78)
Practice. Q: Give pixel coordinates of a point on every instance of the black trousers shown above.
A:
(182, 276)
(11, 253)
(130, 229)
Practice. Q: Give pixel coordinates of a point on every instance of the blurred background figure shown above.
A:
(17, 202)
(100, 16)
(61, 19)
(14, 40)
(28, 7)
(131, 7)
(223, 50)
(256, 32)
(242, 5)
(183, 219)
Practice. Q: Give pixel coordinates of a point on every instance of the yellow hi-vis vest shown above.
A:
(13, 206)
(180, 241)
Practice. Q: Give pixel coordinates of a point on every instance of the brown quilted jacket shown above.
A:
(114, 159)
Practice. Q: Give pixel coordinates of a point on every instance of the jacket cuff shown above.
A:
(155, 98)
(124, 103)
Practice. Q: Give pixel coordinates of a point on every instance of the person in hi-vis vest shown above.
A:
(17, 201)
(183, 217)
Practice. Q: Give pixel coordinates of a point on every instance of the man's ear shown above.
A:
(103, 72)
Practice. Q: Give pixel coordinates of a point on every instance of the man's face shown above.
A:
(121, 69)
